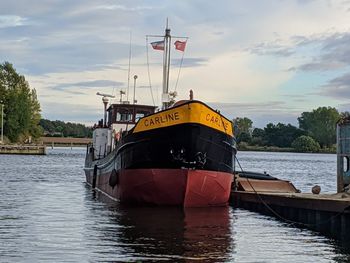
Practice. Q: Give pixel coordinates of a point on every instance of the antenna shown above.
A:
(135, 78)
(105, 95)
(121, 92)
(127, 93)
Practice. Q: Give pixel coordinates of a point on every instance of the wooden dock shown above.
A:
(328, 214)
(65, 141)
(23, 149)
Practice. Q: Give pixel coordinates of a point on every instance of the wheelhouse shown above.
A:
(128, 113)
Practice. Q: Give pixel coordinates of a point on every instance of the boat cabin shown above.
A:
(127, 113)
(121, 118)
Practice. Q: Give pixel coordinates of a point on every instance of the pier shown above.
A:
(65, 141)
(23, 149)
(328, 214)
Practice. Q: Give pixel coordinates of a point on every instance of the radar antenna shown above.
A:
(105, 101)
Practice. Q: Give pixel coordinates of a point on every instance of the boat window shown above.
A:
(346, 164)
(124, 116)
(139, 115)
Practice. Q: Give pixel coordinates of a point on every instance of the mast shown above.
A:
(166, 62)
(166, 67)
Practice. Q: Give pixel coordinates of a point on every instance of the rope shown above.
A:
(281, 217)
(149, 73)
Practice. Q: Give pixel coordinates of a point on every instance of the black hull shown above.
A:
(181, 146)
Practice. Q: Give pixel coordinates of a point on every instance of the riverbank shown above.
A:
(23, 149)
(278, 149)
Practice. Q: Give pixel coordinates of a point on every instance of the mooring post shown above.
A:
(343, 154)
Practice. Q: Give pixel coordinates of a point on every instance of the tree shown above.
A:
(22, 109)
(242, 129)
(244, 137)
(305, 144)
(320, 124)
(258, 137)
(345, 115)
(244, 124)
(281, 135)
(257, 132)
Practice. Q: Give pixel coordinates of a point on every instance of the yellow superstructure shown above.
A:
(192, 112)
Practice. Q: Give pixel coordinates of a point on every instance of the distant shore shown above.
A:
(250, 148)
(22, 149)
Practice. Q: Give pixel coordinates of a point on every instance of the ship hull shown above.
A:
(183, 187)
(181, 156)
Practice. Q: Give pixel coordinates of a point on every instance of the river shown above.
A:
(48, 214)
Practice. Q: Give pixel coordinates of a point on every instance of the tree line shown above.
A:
(65, 129)
(316, 131)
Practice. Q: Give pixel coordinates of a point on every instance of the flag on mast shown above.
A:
(158, 45)
(180, 45)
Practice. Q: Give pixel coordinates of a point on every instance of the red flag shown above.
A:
(180, 45)
(159, 45)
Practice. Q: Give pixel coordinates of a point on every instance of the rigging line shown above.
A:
(149, 73)
(127, 91)
(113, 91)
(178, 74)
(283, 218)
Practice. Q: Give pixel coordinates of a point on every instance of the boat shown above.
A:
(182, 154)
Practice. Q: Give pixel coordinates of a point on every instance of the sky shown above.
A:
(268, 60)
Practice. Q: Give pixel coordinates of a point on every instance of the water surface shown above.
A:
(48, 214)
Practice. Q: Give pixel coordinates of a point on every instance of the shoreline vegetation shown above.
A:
(23, 123)
(316, 133)
(249, 148)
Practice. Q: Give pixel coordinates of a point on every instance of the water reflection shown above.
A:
(171, 233)
(47, 214)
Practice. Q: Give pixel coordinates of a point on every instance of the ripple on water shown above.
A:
(48, 214)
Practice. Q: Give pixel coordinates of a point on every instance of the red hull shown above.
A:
(190, 188)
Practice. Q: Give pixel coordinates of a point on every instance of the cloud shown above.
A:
(89, 84)
(344, 107)
(325, 51)
(69, 47)
(11, 21)
(272, 49)
(261, 113)
(334, 52)
(124, 8)
(79, 55)
(189, 62)
(72, 112)
(338, 88)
